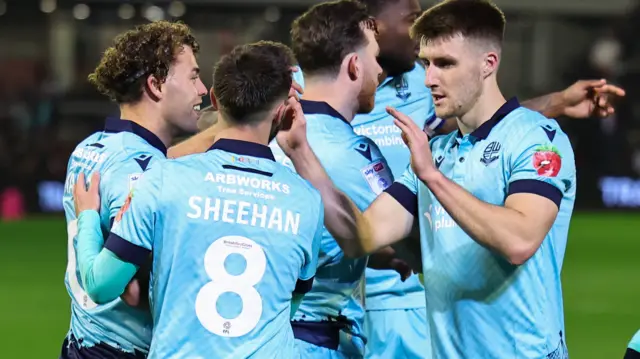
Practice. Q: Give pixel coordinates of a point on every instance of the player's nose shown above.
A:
(202, 89)
(431, 78)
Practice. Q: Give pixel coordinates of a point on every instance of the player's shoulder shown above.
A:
(288, 174)
(125, 152)
(524, 124)
(90, 150)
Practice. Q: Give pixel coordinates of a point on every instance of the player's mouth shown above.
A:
(437, 99)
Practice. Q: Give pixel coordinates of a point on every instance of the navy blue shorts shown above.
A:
(71, 350)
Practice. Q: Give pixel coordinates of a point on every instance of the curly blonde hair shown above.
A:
(149, 49)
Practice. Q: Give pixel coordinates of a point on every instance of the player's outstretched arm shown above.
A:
(382, 224)
(583, 99)
(357, 233)
(105, 277)
(514, 231)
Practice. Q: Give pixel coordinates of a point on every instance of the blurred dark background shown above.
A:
(49, 47)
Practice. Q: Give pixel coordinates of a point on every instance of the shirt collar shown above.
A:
(483, 131)
(115, 125)
(321, 108)
(243, 148)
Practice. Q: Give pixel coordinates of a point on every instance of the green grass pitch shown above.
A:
(600, 277)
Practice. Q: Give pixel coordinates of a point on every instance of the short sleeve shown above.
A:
(131, 237)
(120, 178)
(542, 163)
(405, 191)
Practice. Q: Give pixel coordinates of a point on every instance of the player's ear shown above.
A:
(214, 101)
(153, 87)
(353, 66)
(490, 63)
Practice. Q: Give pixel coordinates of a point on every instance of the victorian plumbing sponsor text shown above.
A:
(442, 218)
(383, 136)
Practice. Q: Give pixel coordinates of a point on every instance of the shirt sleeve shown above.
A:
(131, 237)
(542, 163)
(309, 269)
(120, 178)
(405, 191)
(105, 277)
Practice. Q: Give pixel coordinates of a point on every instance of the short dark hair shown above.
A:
(148, 49)
(251, 78)
(480, 19)
(326, 33)
(375, 7)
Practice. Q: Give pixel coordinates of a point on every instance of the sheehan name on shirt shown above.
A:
(241, 212)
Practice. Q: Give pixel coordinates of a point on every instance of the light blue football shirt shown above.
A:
(233, 234)
(479, 305)
(357, 167)
(408, 94)
(121, 153)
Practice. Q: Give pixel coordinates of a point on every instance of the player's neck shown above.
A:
(485, 107)
(148, 118)
(333, 93)
(248, 133)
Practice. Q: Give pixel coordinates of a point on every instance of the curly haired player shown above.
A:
(152, 74)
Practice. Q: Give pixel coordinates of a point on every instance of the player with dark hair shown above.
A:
(335, 46)
(234, 234)
(396, 315)
(152, 74)
(493, 199)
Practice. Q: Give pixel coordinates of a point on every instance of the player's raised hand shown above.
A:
(295, 87)
(293, 128)
(417, 141)
(590, 98)
(86, 198)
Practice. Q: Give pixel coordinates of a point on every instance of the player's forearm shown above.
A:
(502, 230)
(198, 143)
(103, 275)
(342, 218)
(549, 105)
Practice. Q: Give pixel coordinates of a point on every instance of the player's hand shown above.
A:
(131, 295)
(418, 142)
(590, 98)
(295, 87)
(293, 128)
(401, 267)
(86, 198)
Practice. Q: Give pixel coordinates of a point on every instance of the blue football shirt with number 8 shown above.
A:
(233, 234)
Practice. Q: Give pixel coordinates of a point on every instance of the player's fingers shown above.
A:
(587, 84)
(404, 138)
(80, 186)
(296, 87)
(299, 119)
(95, 183)
(609, 89)
(407, 135)
(602, 112)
